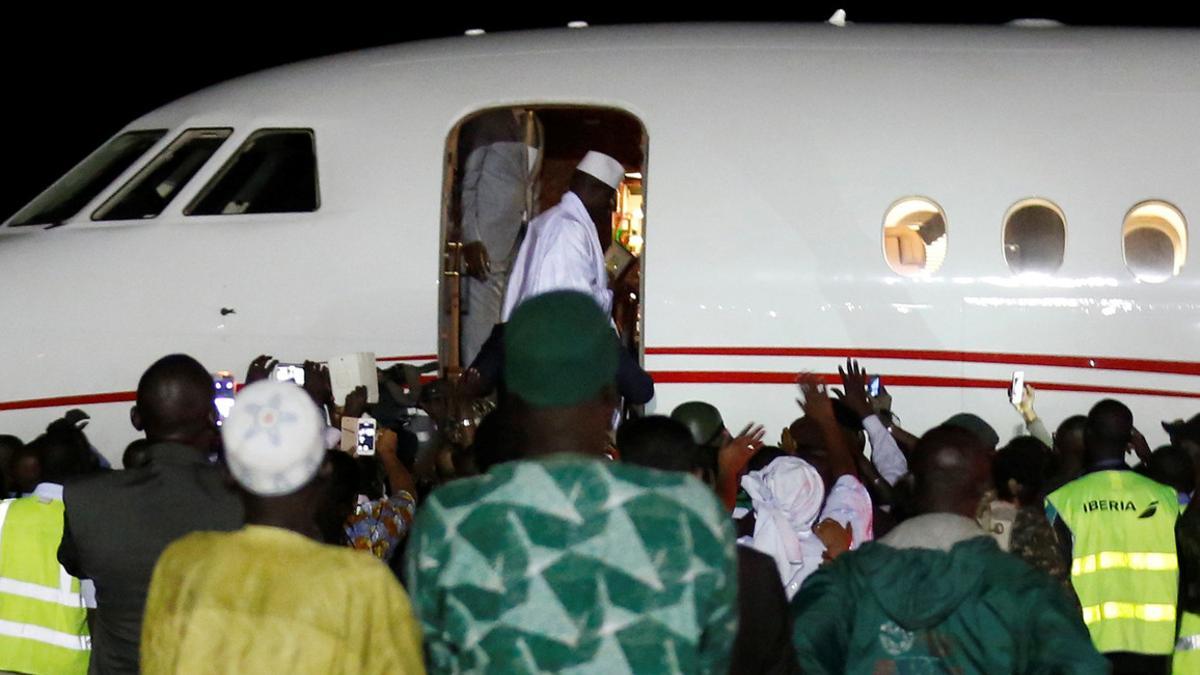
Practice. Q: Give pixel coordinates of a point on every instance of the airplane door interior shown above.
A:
(504, 166)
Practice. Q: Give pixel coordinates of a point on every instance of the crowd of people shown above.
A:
(504, 523)
(545, 541)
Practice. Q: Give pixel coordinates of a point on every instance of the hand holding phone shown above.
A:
(224, 388)
(289, 372)
(1016, 389)
(366, 436)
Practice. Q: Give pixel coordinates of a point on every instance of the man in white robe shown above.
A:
(562, 249)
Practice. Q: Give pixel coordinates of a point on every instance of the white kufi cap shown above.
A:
(274, 438)
(603, 168)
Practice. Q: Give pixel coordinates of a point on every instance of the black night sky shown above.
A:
(71, 79)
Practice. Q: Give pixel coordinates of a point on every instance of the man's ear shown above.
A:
(135, 418)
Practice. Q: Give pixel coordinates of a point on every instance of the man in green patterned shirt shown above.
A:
(564, 561)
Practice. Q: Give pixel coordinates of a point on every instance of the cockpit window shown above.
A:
(275, 171)
(149, 192)
(81, 185)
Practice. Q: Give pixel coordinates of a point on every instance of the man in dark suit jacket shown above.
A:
(118, 523)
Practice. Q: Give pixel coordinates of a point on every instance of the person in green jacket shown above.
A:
(936, 595)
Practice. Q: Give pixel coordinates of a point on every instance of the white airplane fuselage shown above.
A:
(773, 155)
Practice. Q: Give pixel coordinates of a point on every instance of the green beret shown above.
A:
(559, 350)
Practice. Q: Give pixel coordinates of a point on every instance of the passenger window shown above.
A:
(1154, 241)
(149, 192)
(915, 236)
(1035, 236)
(275, 171)
(81, 184)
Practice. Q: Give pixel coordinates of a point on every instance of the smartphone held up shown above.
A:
(224, 389)
(1016, 388)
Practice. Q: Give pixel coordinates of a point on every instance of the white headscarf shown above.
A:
(787, 497)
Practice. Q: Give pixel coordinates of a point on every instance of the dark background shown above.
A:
(71, 78)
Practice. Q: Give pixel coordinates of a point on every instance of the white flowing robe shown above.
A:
(561, 251)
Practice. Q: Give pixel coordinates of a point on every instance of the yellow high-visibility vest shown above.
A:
(1124, 567)
(43, 620)
(1187, 647)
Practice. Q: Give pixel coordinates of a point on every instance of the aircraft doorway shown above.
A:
(504, 166)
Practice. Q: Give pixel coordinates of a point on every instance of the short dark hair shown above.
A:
(1027, 461)
(657, 442)
(9, 443)
(175, 395)
(137, 454)
(1109, 430)
(64, 453)
(1172, 465)
(951, 467)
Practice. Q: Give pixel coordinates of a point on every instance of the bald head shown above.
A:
(175, 402)
(952, 469)
(1108, 432)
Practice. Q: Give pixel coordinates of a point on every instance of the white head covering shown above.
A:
(603, 168)
(787, 497)
(274, 438)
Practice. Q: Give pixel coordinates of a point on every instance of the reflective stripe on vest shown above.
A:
(43, 621)
(1108, 560)
(1186, 660)
(27, 631)
(62, 595)
(1125, 569)
(3, 515)
(1127, 610)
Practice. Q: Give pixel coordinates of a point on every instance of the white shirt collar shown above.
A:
(52, 491)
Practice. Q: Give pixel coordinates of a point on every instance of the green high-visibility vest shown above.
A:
(43, 620)
(1124, 567)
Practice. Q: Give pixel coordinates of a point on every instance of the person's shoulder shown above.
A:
(106, 485)
(462, 491)
(674, 484)
(1005, 573)
(194, 546)
(556, 212)
(1147, 483)
(357, 570)
(675, 489)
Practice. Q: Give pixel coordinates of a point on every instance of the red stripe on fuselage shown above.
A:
(761, 377)
(1088, 362)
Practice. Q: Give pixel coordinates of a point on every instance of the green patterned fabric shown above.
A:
(574, 565)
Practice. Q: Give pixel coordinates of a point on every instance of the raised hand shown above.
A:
(815, 400)
(260, 368)
(733, 456)
(854, 384)
(356, 402)
(317, 384)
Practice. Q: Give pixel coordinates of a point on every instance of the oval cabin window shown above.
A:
(1035, 236)
(1154, 241)
(914, 236)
